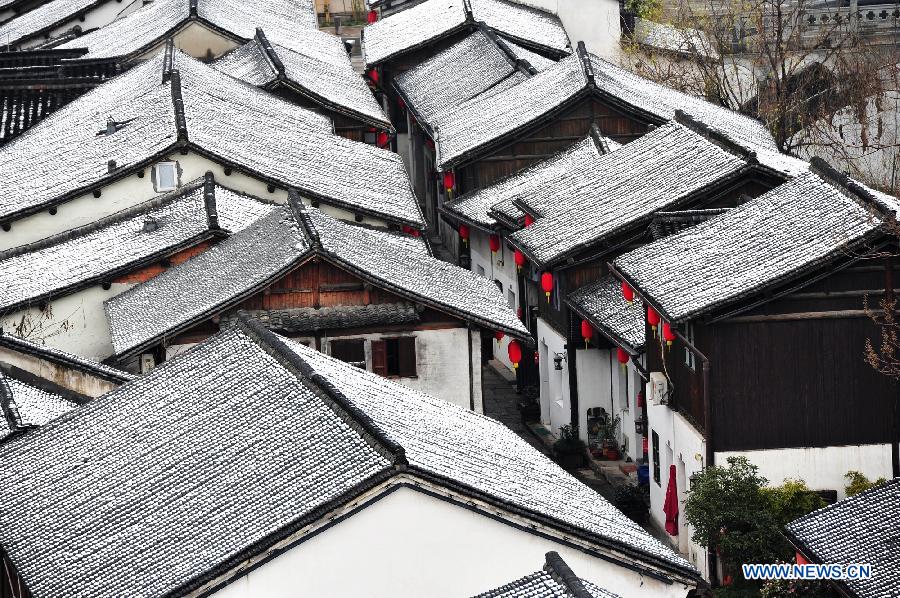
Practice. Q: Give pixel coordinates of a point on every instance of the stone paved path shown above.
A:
(500, 400)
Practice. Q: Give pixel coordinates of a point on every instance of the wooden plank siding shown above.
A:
(154, 270)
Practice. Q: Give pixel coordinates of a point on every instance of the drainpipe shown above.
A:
(471, 370)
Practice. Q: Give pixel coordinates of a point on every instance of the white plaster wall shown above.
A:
(500, 266)
(77, 381)
(78, 322)
(197, 41)
(95, 18)
(442, 365)
(595, 22)
(594, 384)
(821, 468)
(413, 544)
(556, 409)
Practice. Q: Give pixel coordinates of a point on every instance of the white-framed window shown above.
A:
(165, 176)
(690, 359)
(511, 298)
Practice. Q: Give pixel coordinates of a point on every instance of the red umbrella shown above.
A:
(670, 507)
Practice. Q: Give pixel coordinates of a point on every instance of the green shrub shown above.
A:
(860, 483)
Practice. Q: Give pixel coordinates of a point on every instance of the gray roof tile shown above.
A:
(523, 23)
(542, 584)
(42, 17)
(63, 358)
(28, 405)
(858, 529)
(792, 229)
(605, 307)
(311, 319)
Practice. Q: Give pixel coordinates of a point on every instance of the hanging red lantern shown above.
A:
(449, 180)
(627, 292)
(464, 233)
(652, 319)
(519, 312)
(644, 445)
(529, 219)
(640, 399)
(623, 356)
(587, 332)
(410, 230)
(514, 350)
(547, 284)
(499, 336)
(668, 334)
(401, 104)
(494, 242)
(519, 258)
(536, 358)
(372, 74)
(382, 139)
(372, 17)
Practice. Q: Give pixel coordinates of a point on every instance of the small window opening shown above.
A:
(352, 351)
(165, 176)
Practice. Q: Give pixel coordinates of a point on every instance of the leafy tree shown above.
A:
(791, 501)
(860, 483)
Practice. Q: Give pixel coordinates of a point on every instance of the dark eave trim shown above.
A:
(47, 28)
(560, 571)
(464, 26)
(13, 344)
(452, 216)
(340, 109)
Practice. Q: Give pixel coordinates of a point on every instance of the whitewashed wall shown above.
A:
(77, 381)
(595, 22)
(197, 41)
(412, 544)
(556, 406)
(502, 267)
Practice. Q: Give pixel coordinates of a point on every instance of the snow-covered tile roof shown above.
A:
(310, 319)
(605, 307)
(555, 580)
(476, 123)
(537, 61)
(859, 529)
(454, 75)
(799, 226)
(623, 189)
(63, 358)
(555, 172)
(668, 38)
(432, 20)
(23, 405)
(151, 24)
(43, 18)
(226, 118)
(175, 473)
(246, 262)
(121, 242)
(457, 444)
(321, 72)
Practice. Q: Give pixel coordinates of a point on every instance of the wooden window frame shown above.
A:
(381, 357)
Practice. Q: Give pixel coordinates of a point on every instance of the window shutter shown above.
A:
(379, 358)
(407, 356)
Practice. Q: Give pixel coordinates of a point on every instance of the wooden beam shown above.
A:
(810, 315)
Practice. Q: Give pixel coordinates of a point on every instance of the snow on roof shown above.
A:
(537, 61)
(150, 25)
(793, 229)
(42, 18)
(321, 71)
(226, 118)
(668, 38)
(479, 207)
(859, 529)
(555, 580)
(603, 305)
(485, 120)
(624, 189)
(23, 405)
(314, 433)
(63, 358)
(121, 242)
(425, 23)
(246, 262)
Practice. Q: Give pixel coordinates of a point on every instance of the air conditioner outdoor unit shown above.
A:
(659, 389)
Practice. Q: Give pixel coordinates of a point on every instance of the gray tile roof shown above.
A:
(225, 118)
(25, 406)
(539, 62)
(311, 319)
(668, 38)
(119, 243)
(148, 487)
(555, 580)
(793, 229)
(154, 477)
(622, 190)
(432, 20)
(454, 443)
(244, 263)
(858, 529)
(63, 358)
(151, 24)
(602, 304)
(43, 17)
(321, 71)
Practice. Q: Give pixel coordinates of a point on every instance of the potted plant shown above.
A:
(609, 432)
(570, 449)
(630, 500)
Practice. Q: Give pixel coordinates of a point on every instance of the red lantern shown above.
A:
(401, 104)
(514, 350)
(372, 17)
(499, 336)
(529, 219)
(382, 139)
(464, 233)
(547, 284)
(652, 319)
(623, 356)
(410, 230)
(519, 312)
(537, 358)
(519, 258)
(449, 180)
(372, 74)
(587, 332)
(644, 445)
(668, 334)
(627, 292)
(494, 242)
(640, 399)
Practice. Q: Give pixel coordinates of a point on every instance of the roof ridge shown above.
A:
(209, 200)
(301, 215)
(269, 51)
(511, 57)
(8, 408)
(467, 9)
(846, 185)
(178, 104)
(586, 66)
(354, 416)
(114, 218)
(560, 571)
(192, 9)
(715, 136)
(168, 57)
